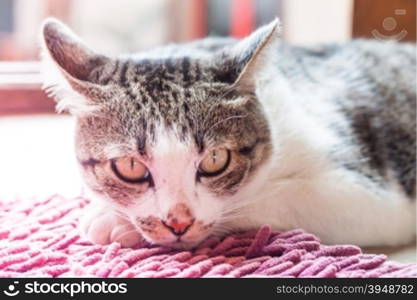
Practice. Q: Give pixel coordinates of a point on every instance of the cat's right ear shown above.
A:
(244, 63)
(73, 73)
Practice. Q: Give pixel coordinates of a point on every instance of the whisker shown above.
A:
(121, 214)
(221, 230)
(224, 120)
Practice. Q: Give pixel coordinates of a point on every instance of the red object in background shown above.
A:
(242, 18)
(198, 19)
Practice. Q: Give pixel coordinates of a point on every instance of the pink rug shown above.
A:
(39, 238)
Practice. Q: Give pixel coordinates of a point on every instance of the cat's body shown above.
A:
(345, 129)
(322, 139)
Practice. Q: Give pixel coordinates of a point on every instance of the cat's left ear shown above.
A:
(250, 56)
(73, 73)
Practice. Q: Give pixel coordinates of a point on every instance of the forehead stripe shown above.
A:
(141, 141)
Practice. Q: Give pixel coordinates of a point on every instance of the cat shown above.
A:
(189, 140)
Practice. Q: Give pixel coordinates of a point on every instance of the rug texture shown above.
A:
(39, 238)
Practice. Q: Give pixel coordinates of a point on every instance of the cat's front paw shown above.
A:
(103, 227)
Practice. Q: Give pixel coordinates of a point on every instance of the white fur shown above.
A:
(306, 190)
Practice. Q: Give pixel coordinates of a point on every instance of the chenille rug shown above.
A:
(39, 238)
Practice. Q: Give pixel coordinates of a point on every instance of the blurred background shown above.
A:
(36, 152)
(131, 25)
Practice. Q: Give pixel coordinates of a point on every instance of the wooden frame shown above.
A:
(20, 82)
(20, 89)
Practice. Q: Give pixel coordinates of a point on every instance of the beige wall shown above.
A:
(108, 25)
(28, 16)
(311, 21)
(122, 25)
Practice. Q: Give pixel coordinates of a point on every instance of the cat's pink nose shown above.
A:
(178, 228)
(179, 220)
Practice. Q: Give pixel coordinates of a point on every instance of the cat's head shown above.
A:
(171, 138)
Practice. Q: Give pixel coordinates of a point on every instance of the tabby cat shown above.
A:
(185, 141)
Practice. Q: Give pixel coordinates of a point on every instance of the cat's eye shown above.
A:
(215, 162)
(130, 169)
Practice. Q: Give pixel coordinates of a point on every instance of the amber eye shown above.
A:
(215, 162)
(130, 169)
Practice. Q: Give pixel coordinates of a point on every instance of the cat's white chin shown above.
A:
(175, 243)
